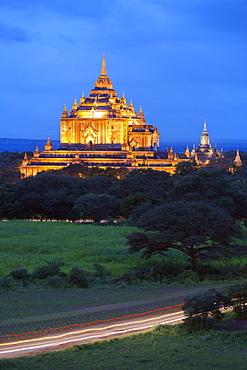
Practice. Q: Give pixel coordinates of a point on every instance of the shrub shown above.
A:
(199, 306)
(79, 277)
(56, 282)
(238, 294)
(157, 270)
(4, 282)
(101, 273)
(51, 268)
(127, 277)
(19, 274)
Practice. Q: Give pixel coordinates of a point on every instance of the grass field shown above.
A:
(161, 348)
(27, 244)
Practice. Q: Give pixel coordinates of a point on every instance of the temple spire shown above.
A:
(237, 161)
(103, 80)
(103, 67)
(48, 145)
(205, 140)
(65, 112)
(187, 152)
(140, 114)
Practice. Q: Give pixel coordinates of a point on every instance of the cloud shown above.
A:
(76, 9)
(12, 33)
(69, 39)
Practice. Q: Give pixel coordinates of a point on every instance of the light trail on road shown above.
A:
(102, 332)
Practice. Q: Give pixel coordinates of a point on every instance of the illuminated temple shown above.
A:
(204, 153)
(103, 130)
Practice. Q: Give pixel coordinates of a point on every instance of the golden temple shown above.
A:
(102, 130)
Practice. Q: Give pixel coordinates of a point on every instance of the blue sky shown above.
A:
(182, 61)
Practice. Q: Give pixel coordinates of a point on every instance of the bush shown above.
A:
(19, 274)
(199, 306)
(51, 268)
(154, 271)
(238, 294)
(4, 282)
(158, 270)
(101, 273)
(79, 277)
(57, 282)
(127, 277)
(187, 277)
(225, 272)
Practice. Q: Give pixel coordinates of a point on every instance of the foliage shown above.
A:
(213, 186)
(238, 294)
(97, 171)
(96, 207)
(101, 273)
(133, 201)
(200, 306)
(155, 183)
(79, 277)
(157, 270)
(195, 228)
(185, 168)
(9, 165)
(51, 268)
(20, 274)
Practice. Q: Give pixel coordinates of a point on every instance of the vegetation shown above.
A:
(195, 228)
(164, 347)
(238, 294)
(28, 245)
(42, 254)
(200, 306)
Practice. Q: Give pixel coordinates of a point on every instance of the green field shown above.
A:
(161, 348)
(27, 244)
(36, 307)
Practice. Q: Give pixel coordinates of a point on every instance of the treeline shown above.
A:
(103, 196)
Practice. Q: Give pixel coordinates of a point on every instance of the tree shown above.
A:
(213, 186)
(9, 165)
(238, 294)
(96, 207)
(199, 306)
(156, 183)
(49, 196)
(198, 229)
(185, 168)
(101, 184)
(133, 201)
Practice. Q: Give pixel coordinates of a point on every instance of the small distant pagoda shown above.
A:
(237, 161)
(204, 153)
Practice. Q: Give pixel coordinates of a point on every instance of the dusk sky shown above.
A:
(183, 61)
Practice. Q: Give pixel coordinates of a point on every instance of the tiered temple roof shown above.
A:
(103, 130)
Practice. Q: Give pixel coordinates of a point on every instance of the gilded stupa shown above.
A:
(103, 130)
(204, 153)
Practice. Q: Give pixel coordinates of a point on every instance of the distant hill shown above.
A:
(22, 145)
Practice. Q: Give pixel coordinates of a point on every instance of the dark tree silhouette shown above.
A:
(198, 229)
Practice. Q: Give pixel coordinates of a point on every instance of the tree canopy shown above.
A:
(196, 228)
(214, 186)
